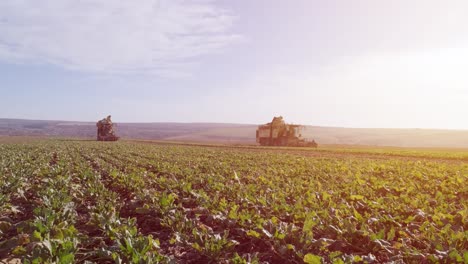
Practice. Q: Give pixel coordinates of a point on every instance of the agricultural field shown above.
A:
(66, 201)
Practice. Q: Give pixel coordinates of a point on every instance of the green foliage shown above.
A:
(312, 259)
(68, 202)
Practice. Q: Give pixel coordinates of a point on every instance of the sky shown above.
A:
(361, 63)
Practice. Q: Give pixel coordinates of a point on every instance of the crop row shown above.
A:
(85, 202)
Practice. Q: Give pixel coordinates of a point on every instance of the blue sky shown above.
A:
(360, 63)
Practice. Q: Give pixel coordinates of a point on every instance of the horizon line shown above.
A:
(241, 124)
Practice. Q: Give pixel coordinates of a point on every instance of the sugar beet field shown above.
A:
(128, 202)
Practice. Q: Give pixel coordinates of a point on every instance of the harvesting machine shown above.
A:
(105, 130)
(278, 133)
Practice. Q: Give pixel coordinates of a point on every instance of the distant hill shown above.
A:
(239, 133)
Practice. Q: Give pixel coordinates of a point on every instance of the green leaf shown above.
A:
(325, 196)
(312, 259)
(197, 247)
(279, 235)
(253, 233)
(68, 258)
(455, 256)
(37, 260)
(37, 236)
(356, 197)
(357, 258)
(19, 251)
(233, 212)
(58, 235)
(391, 234)
(338, 261)
(358, 216)
(309, 223)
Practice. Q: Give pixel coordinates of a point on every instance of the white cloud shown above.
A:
(110, 36)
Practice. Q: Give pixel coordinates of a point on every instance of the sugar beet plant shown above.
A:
(90, 202)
